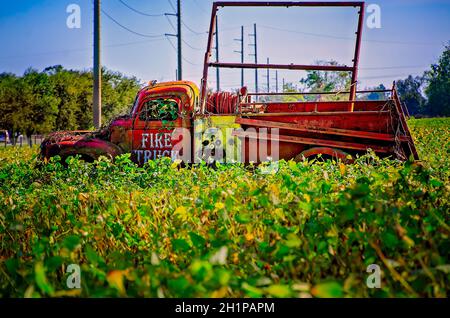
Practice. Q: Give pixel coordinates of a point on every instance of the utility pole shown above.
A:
(283, 85)
(179, 42)
(276, 81)
(97, 96)
(255, 45)
(217, 55)
(242, 53)
(180, 69)
(268, 77)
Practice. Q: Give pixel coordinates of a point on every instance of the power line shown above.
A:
(78, 49)
(192, 30)
(346, 38)
(133, 43)
(140, 12)
(200, 7)
(385, 76)
(128, 29)
(183, 58)
(170, 22)
(171, 4)
(190, 46)
(392, 67)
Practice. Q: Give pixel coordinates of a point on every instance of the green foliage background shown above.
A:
(161, 231)
(60, 99)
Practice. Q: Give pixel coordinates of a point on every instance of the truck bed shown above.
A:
(302, 126)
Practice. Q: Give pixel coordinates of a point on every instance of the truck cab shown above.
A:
(147, 132)
(158, 111)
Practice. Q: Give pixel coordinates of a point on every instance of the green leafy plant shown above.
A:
(164, 231)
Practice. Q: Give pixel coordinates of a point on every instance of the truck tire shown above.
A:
(325, 153)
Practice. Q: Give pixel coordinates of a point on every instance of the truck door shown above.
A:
(153, 125)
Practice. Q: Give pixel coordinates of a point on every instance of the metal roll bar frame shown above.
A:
(212, 29)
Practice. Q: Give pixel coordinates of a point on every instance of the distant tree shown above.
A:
(118, 93)
(60, 99)
(326, 81)
(69, 86)
(38, 104)
(438, 89)
(291, 88)
(378, 95)
(410, 92)
(9, 94)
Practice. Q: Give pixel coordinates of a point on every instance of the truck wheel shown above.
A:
(82, 157)
(325, 154)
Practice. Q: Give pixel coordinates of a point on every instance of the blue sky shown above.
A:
(411, 37)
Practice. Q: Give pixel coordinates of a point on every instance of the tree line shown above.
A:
(60, 99)
(426, 95)
(429, 94)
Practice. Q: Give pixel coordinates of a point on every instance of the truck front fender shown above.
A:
(71, 144)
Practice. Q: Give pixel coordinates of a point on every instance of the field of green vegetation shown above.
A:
(159, 231)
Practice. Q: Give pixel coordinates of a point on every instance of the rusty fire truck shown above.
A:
(179, 120)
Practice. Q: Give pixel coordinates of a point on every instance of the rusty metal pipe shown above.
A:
(320, 93)
(288, 4)
(284, 67)
(354, 82)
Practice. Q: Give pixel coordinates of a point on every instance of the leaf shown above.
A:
(444, 268)
(53, 263)
(115, 280)
(41, 279)
(436, 183)
(252, 291)
(293, 241)
(327, 290)
(200, 269)
(71, 242)
(242, 218)
(342, 168)
(181, 212)
(92, 256)
(197, 240)
(279, 291)
(180, 245)
(219, 205)
(178, 284)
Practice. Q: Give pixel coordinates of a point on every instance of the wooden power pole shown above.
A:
(180, 68)
(97, 96)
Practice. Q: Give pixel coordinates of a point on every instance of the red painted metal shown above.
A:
(314, 141)
(353, 70)
(319, 93)
(288, 4)
(404, 124)
(327, 131)
(356, 56)
(283, 66)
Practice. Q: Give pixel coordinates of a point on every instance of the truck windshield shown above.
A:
(159, 109)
